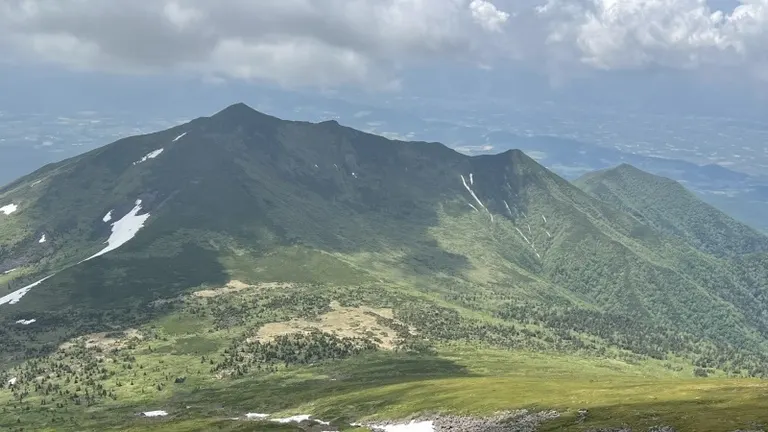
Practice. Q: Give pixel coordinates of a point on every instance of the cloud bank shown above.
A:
(367, 42)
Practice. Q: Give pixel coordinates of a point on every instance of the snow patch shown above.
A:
(26, 322)
(35, 183)
(471, 191)
(158, 413)
(107, 217)
(42, 239)
(545, 218)
(293, 419)
(354, 175)
(15, 296)
(414, 426)
(124, 230)
(151, 155)
(9, 271)
(256, 416)
(471, 179)
(12, 381)
(522, 235)
(475, 208)
(548, 234)
(178, 137)
(508, 209)
(298, 419)
(8, 209)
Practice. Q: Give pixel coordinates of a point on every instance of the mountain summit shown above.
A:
(199, 223)
(671, 209)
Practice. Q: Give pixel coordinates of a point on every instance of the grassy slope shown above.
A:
(461, 377)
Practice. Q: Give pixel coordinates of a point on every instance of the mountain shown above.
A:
(740, 195)
(671, 209)
(238, 251)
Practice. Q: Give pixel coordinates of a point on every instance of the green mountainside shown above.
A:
(270, 256)
(671, 209)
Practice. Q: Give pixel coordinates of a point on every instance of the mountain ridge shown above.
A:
(670, 208)
(213, 214)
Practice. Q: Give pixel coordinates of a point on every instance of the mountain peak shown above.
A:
(626, 167)
(239, 107)
(241, 110)
(672, 209)
(240, 114)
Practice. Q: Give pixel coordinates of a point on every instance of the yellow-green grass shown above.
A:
(461, 379)
(481, 382)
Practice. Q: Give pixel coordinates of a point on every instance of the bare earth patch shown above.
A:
(342, 321)
(101, 340)
(235, 286)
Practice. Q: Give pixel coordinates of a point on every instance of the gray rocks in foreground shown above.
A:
(514, 421)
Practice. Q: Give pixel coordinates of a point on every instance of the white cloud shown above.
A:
(487, 15)
(317, 42)
(682, 34)
(368, 42)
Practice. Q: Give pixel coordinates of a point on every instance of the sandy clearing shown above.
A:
(234, 286)
(101, 340)
(342, 321)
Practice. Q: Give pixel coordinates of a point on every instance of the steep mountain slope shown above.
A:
(671, 209)
(223, 192)
(225, 230)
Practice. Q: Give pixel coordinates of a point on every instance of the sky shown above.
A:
(652, 51)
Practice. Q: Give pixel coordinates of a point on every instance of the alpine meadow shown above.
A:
(241, 272)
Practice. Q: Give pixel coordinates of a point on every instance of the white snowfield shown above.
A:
(8, 209)
(414, 426)
(124, 230)
(26, 322)
(15, 296)
(158, 413)
(293, 419)
(107, 217)
(151, 155)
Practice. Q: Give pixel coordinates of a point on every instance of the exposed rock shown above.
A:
(514, 421)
